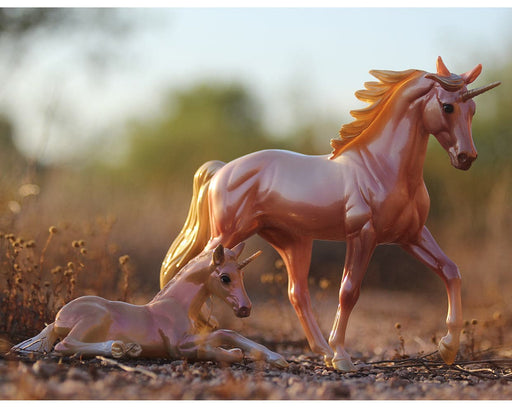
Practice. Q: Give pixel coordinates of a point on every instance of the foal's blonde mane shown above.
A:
(377, 95)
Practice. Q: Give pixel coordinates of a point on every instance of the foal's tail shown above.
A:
(42, 343)
(196, 231)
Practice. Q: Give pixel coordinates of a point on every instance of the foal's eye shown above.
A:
(448, 108)
(224, 278)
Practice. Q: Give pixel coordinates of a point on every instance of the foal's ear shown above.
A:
(218, 255)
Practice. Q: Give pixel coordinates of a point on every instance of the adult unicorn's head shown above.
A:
(449, 109)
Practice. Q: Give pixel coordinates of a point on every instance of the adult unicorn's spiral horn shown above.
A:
(475, 92)
(248, 260)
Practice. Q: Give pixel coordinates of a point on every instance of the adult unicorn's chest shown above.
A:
(397, 211)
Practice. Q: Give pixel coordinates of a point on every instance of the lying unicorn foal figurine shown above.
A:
(165, 327)
(369, 191)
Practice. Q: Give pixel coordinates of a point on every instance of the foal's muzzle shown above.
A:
(243, 311)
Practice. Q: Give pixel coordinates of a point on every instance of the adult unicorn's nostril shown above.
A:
(465, 160)
(462, 158)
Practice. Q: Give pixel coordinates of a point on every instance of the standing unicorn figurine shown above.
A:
(165, 327)
(368, 191)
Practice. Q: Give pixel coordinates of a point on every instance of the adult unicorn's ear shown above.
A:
(470, 76)
(218, 255)
(442, 70)
(237, 250)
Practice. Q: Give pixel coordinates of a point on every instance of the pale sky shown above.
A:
(304, 60)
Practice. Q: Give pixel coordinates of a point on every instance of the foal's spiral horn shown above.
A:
(475, 92)
(248, 260)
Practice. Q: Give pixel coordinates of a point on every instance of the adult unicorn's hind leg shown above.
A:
(427, 251)
(296, 254)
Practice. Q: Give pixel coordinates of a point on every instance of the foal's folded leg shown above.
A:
(252, 349)
(113, 348)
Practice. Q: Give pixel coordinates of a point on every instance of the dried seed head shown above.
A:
(123, 260)
(267, 278)
(71, 265)
(30, 244)
(397, 326)
(81, 242)
(75, 244)
(279, 264)
(56, 270)
(324, 283)
(83, 251)
(474, 322)
(52, 230)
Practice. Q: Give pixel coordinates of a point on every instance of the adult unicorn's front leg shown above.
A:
(426, 250)
(359, 251)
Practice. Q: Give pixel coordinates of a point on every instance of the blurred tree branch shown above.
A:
(22, 29)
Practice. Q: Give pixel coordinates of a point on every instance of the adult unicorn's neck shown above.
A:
(379, 95)
(394, 140)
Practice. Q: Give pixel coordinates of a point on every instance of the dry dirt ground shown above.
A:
(394, 363)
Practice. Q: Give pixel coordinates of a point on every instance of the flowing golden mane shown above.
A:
(377, 94)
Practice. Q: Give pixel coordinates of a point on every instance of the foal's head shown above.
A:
(226, 278)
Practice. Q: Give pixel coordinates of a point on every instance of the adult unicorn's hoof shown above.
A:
(447, 351)
(343, 365)
(328, 361)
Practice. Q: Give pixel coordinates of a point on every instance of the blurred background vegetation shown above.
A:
(136, 204)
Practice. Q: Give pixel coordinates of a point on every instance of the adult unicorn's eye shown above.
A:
(224, 278)
(448, 108)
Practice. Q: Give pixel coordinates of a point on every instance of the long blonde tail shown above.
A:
(196, 230)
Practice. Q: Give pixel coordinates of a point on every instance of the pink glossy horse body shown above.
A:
(369, 191)
(170, 325)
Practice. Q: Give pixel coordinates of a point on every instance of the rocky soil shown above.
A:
(395, 361)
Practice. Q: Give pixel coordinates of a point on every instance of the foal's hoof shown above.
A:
(120, 349)
(117, 349)
(277, 360)
(447, 351)
(133, 349)
(343, 365)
